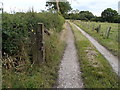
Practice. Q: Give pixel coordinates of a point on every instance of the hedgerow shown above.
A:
(17, 28)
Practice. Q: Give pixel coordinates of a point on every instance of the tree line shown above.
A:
(65, 9)
(108, 15)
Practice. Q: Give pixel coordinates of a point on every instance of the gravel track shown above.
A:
(69, 73)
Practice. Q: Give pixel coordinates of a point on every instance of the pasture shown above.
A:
(111, 43)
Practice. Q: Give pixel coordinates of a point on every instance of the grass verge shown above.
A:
(96, 71)
(38, 77)
(110, 43)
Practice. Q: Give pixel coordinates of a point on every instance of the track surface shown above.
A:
(69, 73)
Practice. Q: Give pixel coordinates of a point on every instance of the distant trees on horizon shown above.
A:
(65, 9)
(108, 15)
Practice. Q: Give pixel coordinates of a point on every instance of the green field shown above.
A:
(111, 43)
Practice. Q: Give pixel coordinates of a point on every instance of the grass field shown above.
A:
(96, 71)
(111, 43)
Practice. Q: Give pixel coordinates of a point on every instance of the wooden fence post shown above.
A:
(88, 25)
(38, 46)
(108, 32)
(99, 27)
(93, 27)
(40, 43)
(34, 46)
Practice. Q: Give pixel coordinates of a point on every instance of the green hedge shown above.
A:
(17, 28)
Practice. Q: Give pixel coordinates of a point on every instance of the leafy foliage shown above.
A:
(14, 30)
(18, 71)
(17, 28)
(109, 14)
(117, 19)
(80, 15)
(64, 6)
(31, 76)
(86, 15)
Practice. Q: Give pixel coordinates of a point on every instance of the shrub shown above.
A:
(17, 28)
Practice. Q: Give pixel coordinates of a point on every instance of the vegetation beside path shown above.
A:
(111, 43)
(96, 71)
(20, 71)
(38, 77)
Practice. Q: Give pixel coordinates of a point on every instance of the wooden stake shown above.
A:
(40, 42)
(99, 28)
(93, 27)
(108, 32)
(39, 50)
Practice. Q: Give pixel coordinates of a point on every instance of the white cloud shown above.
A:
(95, 6)
(23, 5)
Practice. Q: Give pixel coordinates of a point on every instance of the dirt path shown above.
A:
(110, 57)
(69, 73)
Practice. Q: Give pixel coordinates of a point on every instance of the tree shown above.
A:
(97, 19)
(57, 4)
(117, 19)
(85, 15)
(109, 14)
(62, 7)
(74, 14)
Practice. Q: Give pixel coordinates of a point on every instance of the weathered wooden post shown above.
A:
(93, 27)
(88, 24)
(38, 45)
(108, 32)
(33, 46)
(99, 27)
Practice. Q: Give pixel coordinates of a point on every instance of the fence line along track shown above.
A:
(113, 60)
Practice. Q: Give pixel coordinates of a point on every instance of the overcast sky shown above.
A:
(95, 6)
